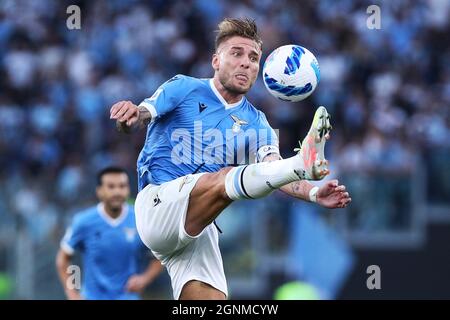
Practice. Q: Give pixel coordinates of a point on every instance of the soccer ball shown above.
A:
(291, 73)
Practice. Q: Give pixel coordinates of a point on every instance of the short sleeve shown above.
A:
(167, 97)
(74, 237)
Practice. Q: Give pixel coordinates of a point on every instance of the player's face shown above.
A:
(237, 64)
(114, 190)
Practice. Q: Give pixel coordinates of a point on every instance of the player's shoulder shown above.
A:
(130, 208)
(257, 113)
(186, 81)
(86, 216)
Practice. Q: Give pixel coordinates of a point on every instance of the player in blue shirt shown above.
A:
(183, 136)
(207, 146)
(107, 239)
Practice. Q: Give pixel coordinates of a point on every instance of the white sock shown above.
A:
(259, 179)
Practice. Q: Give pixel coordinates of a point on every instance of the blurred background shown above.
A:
(388, 91)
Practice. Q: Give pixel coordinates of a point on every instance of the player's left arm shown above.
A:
(138, 282)
(329, 195)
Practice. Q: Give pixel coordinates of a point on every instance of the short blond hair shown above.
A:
(230, 27)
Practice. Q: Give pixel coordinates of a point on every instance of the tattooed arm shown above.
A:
(298, 189)
(329, 195)
(129, 117)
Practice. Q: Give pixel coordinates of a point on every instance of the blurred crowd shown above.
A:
(388, 90)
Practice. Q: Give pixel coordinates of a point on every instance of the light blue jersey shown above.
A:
(110, 250)
(194, 129)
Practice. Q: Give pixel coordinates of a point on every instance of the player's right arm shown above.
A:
(63, 261)
(73, 241)
(165, 99)
(129, 117)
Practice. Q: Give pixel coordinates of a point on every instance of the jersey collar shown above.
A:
(113, 222)
(219, 96)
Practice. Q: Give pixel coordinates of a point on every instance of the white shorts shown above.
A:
(160, 218)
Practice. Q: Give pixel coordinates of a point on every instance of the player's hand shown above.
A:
(73, 295)
(125, 112)
(136, 283)
(332, 195)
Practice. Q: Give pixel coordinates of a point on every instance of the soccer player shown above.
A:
(107, 238)
(189, 168)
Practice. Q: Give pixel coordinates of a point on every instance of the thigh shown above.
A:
(198, 290)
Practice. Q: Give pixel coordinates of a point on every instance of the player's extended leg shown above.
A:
(213, 192)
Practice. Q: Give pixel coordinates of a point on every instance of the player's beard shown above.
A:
(115, 205)
(227, 83)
